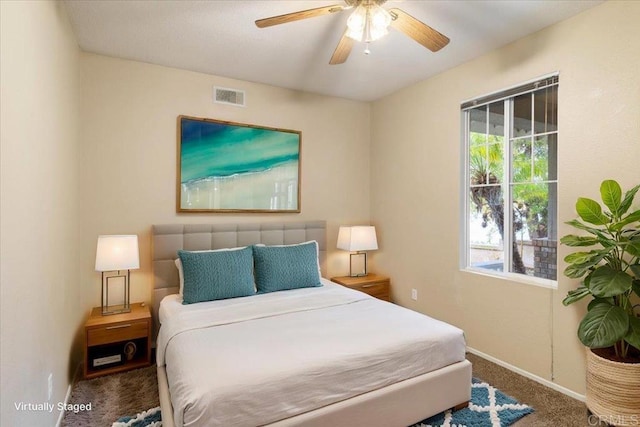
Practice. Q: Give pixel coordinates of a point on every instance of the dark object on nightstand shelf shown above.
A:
(118, 342)
(372, 284)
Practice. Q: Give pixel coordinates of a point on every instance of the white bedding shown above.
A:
(255, 360)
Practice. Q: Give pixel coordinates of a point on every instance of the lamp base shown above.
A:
(115, 309)
(358, 264)
(115, 279)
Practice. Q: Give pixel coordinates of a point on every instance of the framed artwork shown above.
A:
(235, 167)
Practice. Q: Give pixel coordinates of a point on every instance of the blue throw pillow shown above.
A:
(278, 268)
(216, 275)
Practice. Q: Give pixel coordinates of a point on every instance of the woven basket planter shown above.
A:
(613, 390)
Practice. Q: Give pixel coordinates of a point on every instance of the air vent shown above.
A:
(223, 95)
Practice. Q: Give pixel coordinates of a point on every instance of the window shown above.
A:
(510, 191)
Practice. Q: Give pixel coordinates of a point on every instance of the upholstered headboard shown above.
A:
(168, 239)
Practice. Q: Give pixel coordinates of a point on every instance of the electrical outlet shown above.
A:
(50, 386)
(414, 294)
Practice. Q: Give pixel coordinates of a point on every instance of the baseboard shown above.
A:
(68, 395)
(529, 375)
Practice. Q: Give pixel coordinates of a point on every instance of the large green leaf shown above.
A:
(577, 224)
(628, 199)
(608, 282)
(581, 262)
(636, 270)
(611, 194)
(603, 325)
(573, 240)
(632, 247)
(576, 271)
(596, 301)
(633, 335)
(580, 257)
(602, 233)
(631, 218)
(576, 295)
(591, 211)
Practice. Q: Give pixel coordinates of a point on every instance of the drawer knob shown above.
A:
(371, 285)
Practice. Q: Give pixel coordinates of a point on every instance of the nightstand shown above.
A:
(117, 342)
(372, 284)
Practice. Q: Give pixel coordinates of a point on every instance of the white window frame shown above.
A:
(465, 266)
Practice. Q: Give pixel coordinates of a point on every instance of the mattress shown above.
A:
(255, 360)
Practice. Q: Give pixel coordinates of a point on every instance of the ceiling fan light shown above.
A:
(380, 19)
(356, 23)
(368, 23)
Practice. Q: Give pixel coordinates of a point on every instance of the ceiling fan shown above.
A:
(367, 23)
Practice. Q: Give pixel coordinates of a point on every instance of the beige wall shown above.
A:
(41, 310)
(415, 196)
(128, 155)
(88, 147)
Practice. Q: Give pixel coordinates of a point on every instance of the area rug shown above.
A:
(150, 418)
(489, 407)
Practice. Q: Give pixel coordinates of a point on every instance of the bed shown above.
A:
(320, 355)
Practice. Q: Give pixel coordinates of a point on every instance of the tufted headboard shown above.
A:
(167, 239)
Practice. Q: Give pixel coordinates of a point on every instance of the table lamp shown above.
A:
(357, 239)
(115, 255)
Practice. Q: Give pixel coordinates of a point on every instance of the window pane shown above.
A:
(534, 251)
(478, 165)
(521, 160)
(546, 109)
(496, 122)
(521, 115)
(477, 139)
(485, 228)
(478, 125)
(495, 153)
(545, 158)
(485, 164)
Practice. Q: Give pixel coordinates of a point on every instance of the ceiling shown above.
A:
(220, 37)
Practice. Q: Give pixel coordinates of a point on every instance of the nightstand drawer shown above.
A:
(373, 284)
(375, 289)
(117, 332)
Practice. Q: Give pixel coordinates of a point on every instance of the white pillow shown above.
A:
(179, 263)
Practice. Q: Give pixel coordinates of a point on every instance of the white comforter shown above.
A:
(255, 360)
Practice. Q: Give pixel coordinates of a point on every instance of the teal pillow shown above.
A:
(217, 275)
(279, 268)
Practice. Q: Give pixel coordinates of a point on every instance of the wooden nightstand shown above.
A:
(106, 339)
(372, 284)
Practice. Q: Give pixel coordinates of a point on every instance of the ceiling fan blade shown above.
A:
(343, 50)
(419, 31)
(296, 16)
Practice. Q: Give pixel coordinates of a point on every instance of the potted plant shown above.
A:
(610, 273)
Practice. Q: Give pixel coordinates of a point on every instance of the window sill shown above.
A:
(513, 277)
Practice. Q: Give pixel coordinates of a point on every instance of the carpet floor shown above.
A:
(552, 408)
(112, 397)
(132, 392)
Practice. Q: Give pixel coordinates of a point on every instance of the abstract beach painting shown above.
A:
(235, 167)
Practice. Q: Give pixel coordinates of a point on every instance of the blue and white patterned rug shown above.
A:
(148, 418)
(489, 407)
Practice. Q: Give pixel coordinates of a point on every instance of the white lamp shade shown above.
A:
(117, 253)
(357, 238)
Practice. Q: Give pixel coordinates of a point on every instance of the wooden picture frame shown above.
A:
(235, 167)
